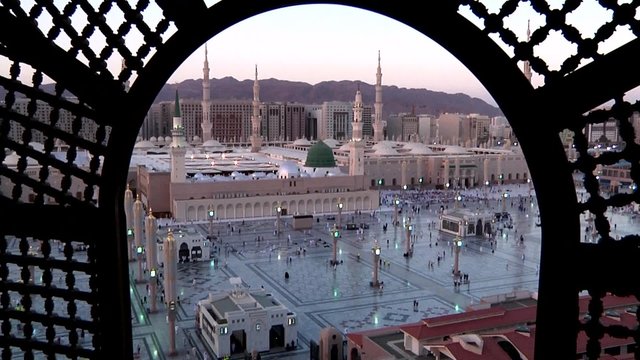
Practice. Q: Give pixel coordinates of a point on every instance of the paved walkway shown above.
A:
(322, 296)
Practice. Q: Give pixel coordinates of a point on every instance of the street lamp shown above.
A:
(210, 214)
(139, 252)
(457, 244)
(375, 251)
(131, 244)
(396, 202)
(458, 199)
(278, 212)
(505, 195)
(335, 232)
(340, 205)
(153, 274)
(409, 229)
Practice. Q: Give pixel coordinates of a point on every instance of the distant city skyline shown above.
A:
(324, 42)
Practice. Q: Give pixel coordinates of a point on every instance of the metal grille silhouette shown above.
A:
(96, 112)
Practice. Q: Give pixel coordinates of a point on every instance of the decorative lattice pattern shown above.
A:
(580, 31)
(75, 60)
(46, 298)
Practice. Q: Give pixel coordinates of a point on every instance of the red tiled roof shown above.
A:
(524, 343)
(490, 350)
(469, 322)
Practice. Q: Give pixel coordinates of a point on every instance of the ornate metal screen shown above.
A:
(50, 292)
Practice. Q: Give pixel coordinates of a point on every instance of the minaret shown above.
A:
(138, 211)
(378, 127)
(206, 99)
(128, 213)
(170, 274)
(356, 154)
(527, 66)
(178, 146)
(255, 118)
(151, 226)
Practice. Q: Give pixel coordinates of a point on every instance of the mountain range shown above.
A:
(395, 99)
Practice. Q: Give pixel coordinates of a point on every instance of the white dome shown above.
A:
(386, 151)
(383, 145)
(196, 138)
(139, 138)
(288, 169)
(36, 146)
(419, 149)
(330, 142)
(302, 142)
(167, 139)
(153, 139)
(454, 149)
(12, 160)
(322, 172)
(211, 143)
(144, 144)
(258, 175)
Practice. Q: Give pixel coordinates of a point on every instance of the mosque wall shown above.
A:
(265, 206)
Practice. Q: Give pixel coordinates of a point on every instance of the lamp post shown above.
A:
(458, 199)
(505, 195)
(457, 244)
(396, 202)
(138, 233)
(139, 254)
(340, 205)
(530, 186)
(210, 214)
(335, 232)
(278, 212)
(409, 228)
(151, 225)
(375, 251)
(170, 274)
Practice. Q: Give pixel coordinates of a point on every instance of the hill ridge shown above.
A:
(395, 99)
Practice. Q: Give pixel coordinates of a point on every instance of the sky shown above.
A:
(315, 43)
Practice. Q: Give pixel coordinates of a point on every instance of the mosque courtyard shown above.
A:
(340, 296)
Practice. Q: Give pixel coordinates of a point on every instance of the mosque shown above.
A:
(185, 180)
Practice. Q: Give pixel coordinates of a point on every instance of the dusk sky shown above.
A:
(315, 43)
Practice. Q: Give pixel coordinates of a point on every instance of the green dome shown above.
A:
(320, 155)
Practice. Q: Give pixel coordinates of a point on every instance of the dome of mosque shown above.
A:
(144, 144)
(386, 151)
(320, 156)
(211, 143)
(418, 148)
(383, 144)
(302, 142)
(153, 139)
(331, 142)
(12, 160)
(454, 149)
(36, 146)
(288, 169)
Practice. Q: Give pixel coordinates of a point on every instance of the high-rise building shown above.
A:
(336, 120)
